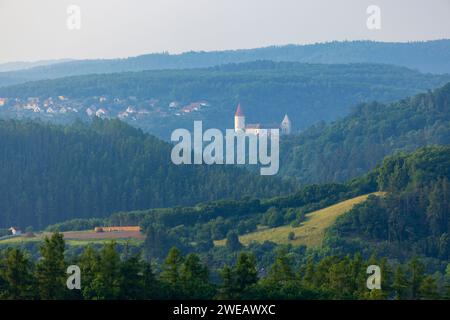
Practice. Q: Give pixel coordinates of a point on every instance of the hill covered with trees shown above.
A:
(308, 93)
(428, 56)
(404, 231)
(414, 216)
(411, 210)
(353, 145)
(53, 173)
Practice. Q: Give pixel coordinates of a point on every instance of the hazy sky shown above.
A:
(37, 29)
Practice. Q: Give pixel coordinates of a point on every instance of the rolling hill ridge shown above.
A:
(428, 56)
(352, 146)
(161, 101)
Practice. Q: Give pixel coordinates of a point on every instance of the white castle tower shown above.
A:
(286, 126)
(239, 120)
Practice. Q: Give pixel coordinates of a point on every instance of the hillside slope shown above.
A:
(310, 233)
(414, 217)
(352, 146)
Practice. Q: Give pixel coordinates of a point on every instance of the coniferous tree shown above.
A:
(386, 278)
(308, 279)
(151, 286)
(17, 276)
(108, 278)
(227, 290)
(245, 273)
(51, 268)
(281, 270)
(400, 284)
(438, 210)
(428, 288)
(233, 242)
(194, 278)
(416, 275)
(89, 263)
(170, 274)
(132, 280)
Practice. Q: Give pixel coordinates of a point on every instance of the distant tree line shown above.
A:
(309, 93)
(411, 218)
(53, 173)
(105, 274)
(352, 146)
(193, 229)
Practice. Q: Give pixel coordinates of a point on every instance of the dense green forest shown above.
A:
(411, 219)
(105, 274)
(307, 92)
(414, 216)
(106, 172)
(428, 56)
(53, 173)
(355, 144)
(405, 232)
(193, 229)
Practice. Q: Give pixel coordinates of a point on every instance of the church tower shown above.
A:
(239, 120)
(286, 126)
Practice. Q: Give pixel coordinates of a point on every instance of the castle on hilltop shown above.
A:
(240, 126)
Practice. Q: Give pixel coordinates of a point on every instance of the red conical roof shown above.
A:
(239, 112)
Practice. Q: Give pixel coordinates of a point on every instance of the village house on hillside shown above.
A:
(15, 231)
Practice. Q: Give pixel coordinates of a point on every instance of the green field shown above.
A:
(78, 238)
(310, 233)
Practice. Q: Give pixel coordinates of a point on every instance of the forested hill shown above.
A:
(409, 217)
(429, 56)
(308, 93)
(52, 173)
(354, 145)
(414, 216)
(23, 65)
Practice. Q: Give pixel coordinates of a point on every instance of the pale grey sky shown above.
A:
(36, 29)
